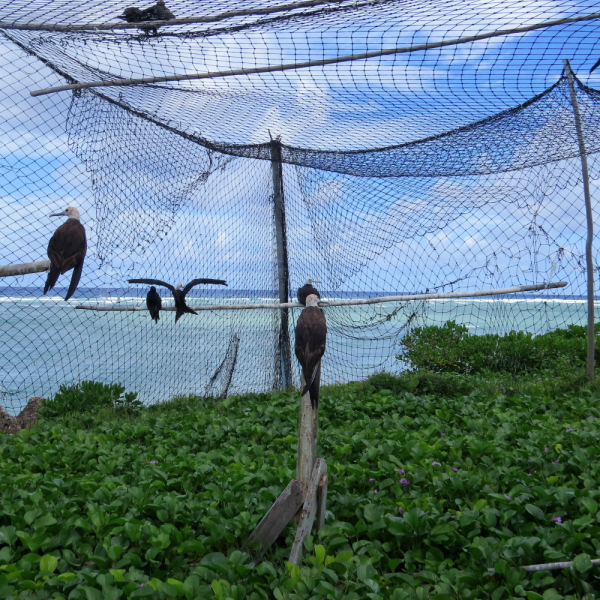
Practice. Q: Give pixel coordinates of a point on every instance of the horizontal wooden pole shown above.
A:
(241, 12)
(550, 566)
(354, 302)
(24, 268)
(310, 63)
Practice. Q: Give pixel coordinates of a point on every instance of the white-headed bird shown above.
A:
(306, 290)
(66, 250)
(311, 334)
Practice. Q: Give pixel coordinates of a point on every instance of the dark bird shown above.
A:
(306, 290)
(154, 304)
(66, 250)
(595, 66)
(179, 294)
(158, 12)
(311, 333)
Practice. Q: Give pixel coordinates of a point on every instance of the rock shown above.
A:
(29, 415)
(8, 424)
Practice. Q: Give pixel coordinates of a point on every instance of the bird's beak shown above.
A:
(122, 17)
(60, 214)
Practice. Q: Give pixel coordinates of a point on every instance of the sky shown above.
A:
(157, 205)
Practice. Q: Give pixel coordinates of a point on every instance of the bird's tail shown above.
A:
(52, 278)
(74, 280)
(181, 310)
(312, 385)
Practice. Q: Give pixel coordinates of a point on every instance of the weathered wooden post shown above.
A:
(308, 491)
(590, 222)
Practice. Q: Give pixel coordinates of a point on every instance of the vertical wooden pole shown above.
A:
(590, 223)
(285, 359)
(308, 426)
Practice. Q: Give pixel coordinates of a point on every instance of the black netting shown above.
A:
(448, 169)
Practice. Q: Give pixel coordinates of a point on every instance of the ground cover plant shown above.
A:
(427, 491)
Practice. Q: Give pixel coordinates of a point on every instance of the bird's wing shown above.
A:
(595, 66)
(311, 335)
(67, 244)
(194, 282)
(152, 282)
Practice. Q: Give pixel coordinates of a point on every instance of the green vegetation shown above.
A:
(434, 478)
(89, 397)
(451, 349)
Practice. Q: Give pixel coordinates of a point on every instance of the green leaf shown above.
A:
(590, 504)
(412, 518)
(320, 553)
(190, 587)
(535, 511)
(48, 563)
(582, 563)
(365, 572)
(168, 590)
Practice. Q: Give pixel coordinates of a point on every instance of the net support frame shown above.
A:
(589, 222)
(282, 263)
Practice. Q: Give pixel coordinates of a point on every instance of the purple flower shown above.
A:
(555, 461)
(557, 519)
(435, 462)
(507, 497)
(376, 492)
(142, 585)
(455, 469)
(404, 481)
(546, 449)
(400, 510)
(371, 480)
(153, 462)
(529, 460)
(139, 451)
(569, 430)
(443, 435)
(528, 474)
(400, 471)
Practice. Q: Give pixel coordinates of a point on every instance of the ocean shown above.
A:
(47, 342)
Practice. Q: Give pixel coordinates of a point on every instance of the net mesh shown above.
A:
(448, 169)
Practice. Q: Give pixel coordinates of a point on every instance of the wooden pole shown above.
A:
(309, 63)
(308, 426)
(25, 268)
(590, 222)
(550, 566)
(354, 302)
(285, 355)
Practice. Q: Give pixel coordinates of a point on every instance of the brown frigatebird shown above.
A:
(306, 290)
(311, 334)
(66, 250)
(154, 304)
(158, 12)
(179, 294)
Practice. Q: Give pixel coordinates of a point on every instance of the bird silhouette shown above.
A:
(158, 12)
(311, 335)
(154, 304)
(179, 294)
(306, 290)
(66, 250)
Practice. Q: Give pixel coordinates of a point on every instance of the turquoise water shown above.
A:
(46, 341)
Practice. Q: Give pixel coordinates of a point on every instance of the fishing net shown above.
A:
(450, 168)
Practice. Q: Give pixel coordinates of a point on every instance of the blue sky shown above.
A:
(355, 233)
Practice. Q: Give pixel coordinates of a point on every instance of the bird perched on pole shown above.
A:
(158, 12)
(154, 304)
(311, 334)
(306, 290)
(66, 250)
(179, 294)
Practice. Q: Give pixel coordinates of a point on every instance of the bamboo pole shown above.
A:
(590, 223)
(240, 12)
(354, 302)
(550, 566)
(25, 268)
(309, 63)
